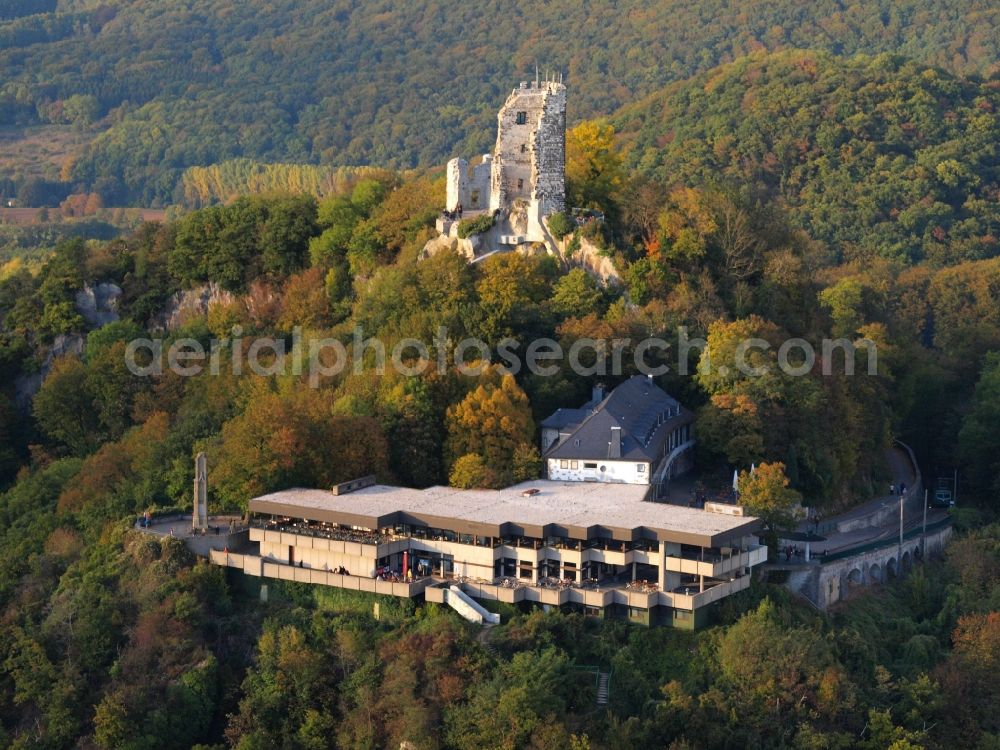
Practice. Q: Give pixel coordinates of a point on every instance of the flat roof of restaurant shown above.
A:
(579, 510)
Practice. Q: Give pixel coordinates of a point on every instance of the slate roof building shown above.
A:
(636, 434)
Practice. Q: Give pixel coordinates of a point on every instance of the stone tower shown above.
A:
(524, 179)
(529, 162)
(199, 518)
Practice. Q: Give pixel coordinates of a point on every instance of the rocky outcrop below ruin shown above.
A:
(589, 257)
(582, 254)
(467, 248)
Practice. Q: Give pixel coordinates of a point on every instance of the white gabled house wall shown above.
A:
(578, 470)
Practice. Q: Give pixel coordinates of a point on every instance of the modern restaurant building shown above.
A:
(600, 548)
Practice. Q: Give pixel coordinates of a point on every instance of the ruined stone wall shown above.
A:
(458, 183)
(550, 154)
(498, 186)
(479, 185)
(468, 188)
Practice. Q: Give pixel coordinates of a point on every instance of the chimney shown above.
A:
(597, 394)
(616, 442)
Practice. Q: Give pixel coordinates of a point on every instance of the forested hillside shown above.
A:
(803, 195)
(869, 155)
(113, 639)
(771, 175)
(161, 86)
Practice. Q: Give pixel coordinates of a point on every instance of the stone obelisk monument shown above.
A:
(199, 518)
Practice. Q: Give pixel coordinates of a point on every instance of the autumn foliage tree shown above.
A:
(105, 474)
(593, 165)
(971, 678)
(490, 435)
(772, 672)
(765, 493)
(292, 439)
(979, 439)
(64, 407)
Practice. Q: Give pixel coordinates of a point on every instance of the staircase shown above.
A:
(805, 583)
(462, 603)
(603, 683)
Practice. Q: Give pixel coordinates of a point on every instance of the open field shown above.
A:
(29, 216)
(40, 150)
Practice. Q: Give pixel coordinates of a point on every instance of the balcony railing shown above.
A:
(716, 565)
(507, 589)
(259, 566)
(322, 531)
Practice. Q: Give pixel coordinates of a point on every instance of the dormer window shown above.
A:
(522, 118)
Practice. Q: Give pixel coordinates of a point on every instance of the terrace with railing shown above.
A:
(403, 531)
(321, 530)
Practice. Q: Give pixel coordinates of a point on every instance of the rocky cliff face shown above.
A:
(589, 257)
(98, 304)
(188, 305)
(27, 385)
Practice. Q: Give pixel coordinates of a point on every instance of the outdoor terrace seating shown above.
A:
(322, 531)
(646, 587)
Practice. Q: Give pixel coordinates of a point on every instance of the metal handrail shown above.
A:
(913, 532)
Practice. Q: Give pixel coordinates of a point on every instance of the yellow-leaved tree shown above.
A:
(593, 165)
(491, 433)
(766, 494)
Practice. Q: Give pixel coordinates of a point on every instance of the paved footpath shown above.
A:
(179, 527)
(902, 472)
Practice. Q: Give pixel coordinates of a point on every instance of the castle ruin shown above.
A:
(529, 161)
(521, 182)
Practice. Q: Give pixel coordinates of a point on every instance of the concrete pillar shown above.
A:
(807, 551)
(199, 516)
(701, 583)
(635, 567)
(663, 566)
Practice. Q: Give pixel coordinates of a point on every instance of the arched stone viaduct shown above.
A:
(825, 583)
(833, 577)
